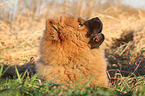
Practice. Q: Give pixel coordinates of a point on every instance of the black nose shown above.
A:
(98, 19)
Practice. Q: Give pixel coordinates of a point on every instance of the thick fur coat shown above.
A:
(70, 49)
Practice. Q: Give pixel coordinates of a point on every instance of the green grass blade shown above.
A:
(1, 70)
(34, 77)
(18, 74)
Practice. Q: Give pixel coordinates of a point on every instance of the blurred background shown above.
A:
(22, 23)
(11, 8)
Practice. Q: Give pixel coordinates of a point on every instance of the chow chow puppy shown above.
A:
(69, 50)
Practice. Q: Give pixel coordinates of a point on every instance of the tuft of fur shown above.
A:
(69, 49)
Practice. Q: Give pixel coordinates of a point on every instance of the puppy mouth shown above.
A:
(97, 37)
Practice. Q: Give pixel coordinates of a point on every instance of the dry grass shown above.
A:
(20, 34)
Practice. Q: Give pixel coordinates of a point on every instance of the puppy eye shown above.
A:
(80, 25)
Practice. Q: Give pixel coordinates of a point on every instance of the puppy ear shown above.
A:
(51, 23)
(51, 30)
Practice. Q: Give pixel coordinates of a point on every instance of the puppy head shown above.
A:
(72, 29)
